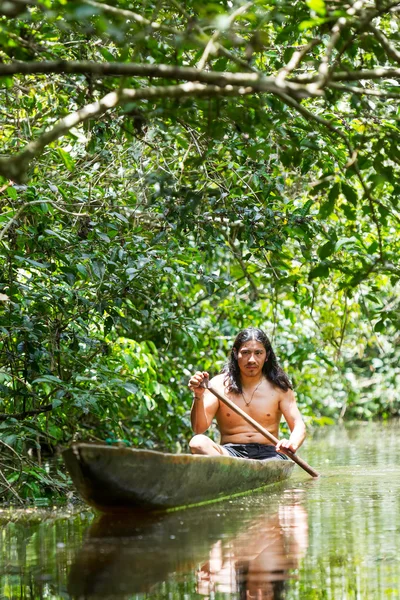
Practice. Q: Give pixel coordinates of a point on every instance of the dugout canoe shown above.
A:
(115, 479)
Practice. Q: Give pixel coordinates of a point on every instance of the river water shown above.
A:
(334, 538)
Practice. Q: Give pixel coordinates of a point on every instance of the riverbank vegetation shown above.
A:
(172, 172)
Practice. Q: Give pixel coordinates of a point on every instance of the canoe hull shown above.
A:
(113, 479)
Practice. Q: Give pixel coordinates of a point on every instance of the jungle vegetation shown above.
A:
(171, 172)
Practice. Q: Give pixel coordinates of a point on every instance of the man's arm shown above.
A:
(205, 404)
(295, 421)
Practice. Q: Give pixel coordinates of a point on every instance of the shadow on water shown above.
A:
(210, 551)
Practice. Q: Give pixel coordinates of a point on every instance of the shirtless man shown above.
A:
(253, 379)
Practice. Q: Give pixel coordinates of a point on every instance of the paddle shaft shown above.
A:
(302, 463)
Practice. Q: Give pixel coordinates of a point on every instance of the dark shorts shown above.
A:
(254, 451)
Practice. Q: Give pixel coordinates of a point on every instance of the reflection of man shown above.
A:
(257, 563)
(253, 380)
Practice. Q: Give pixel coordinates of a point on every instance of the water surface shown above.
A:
(337, 538)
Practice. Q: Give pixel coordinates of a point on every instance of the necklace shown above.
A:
(252, 396)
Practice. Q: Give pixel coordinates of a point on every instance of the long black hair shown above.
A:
(271, 369)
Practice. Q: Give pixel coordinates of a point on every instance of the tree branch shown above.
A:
(236, 253)
(220, 49)
(363, 26)
(27, 204)
(295, 86)
(368, 74)
(27, 413)
(296, 59)
(219, 78)
(390, 49)
(324, 72)
(128, 14)
(211, 44)
(15, 167)
(363, 91)
(311, 116)
(379, 73)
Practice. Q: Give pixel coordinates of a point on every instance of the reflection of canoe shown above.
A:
(125, 554)
(135, 554)
(114, 479)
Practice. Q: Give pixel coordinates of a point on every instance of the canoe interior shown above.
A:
(114, 479)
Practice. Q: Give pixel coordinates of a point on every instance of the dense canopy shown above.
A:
(172, 172)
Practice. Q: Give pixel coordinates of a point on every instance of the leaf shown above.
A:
(48, 379)
(108, 325)
(103, 237)
(12, 192)
(120, 217)
(321, 270)
(373, 298)
(328, 207)
(8, 82)
(350, 194)
(379, 326)
(349, 211)
(98, 268)
(326, 250)
(343, 241)
(317, 6)
(82, 270)
(107, 54)
(384, 213)
(310, 23)
(57, 235)
(306, 208)
(10, 439)
(4, 376)
(131, 388)
(326, 359)
(81, 12)
(33, 263)
(334, 192)
(67, 159)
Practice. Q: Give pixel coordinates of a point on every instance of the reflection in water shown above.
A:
(36, 549)
(252, 547)
(250, 558)
(259, 560)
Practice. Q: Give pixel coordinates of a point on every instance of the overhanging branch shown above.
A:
(259, 81)
(367, 74)
(301, 85)
(15, 167)
(364, 91)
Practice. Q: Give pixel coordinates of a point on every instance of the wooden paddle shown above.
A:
(261, 429)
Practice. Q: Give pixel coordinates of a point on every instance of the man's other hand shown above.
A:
(198, 384)
(285, 444)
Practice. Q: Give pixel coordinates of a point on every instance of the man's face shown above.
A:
(251, 358)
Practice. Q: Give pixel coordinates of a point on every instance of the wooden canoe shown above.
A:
(114, 479)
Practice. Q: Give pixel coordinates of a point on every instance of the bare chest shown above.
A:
(263, 407)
